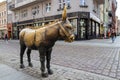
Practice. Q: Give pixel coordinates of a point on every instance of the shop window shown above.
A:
(82, 28)
(93, 28)
(90, 28)
(97, 29)
(74, 24)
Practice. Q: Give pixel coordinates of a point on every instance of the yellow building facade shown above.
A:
(3, 19)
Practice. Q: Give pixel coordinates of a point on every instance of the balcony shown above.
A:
(25, 3)
(12, 6)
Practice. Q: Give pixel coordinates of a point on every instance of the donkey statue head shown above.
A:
(67, 29)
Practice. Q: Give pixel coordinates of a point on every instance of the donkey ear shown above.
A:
(64, 14)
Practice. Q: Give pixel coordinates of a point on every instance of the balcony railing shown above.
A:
(100, 1)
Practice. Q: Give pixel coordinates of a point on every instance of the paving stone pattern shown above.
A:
(69, 61)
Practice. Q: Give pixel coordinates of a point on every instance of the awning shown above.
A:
(3, 28)
(92, 16)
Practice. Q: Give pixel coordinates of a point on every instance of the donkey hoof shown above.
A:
(50, 72)
(22, 66)
(44, 75)
(30, 65)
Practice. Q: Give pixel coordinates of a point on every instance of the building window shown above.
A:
(4, 12)
(63, 3)
(95, 6)
(68, 3)
(24, 13)
(48, 7)
(4, 21)
(16, 16)
(35, 9)
(82, 2)
(60, 4)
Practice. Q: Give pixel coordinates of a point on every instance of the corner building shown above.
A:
(83, 14)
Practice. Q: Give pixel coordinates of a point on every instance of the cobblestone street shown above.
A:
(96, 59)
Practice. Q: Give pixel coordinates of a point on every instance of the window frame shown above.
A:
(48, 7)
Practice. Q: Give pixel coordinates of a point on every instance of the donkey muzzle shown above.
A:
(71, 38)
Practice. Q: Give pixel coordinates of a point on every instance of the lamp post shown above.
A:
(34, 13)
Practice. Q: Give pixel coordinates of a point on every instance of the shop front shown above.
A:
(3, 31)
(84, 27)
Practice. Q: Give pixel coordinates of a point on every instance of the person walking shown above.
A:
(113, 35)
(6, 38)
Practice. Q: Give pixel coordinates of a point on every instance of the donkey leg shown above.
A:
(22, 50)
(48, 58)
(29, 58)
(42, 60)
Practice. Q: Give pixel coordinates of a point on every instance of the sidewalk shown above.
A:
(8, 73)
(61, 73)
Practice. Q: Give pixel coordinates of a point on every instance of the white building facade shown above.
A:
(83, 14)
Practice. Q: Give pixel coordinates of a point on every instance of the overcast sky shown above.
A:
(117, 12)
(2, 0)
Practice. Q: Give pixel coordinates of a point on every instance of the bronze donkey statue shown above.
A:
(43, 39)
